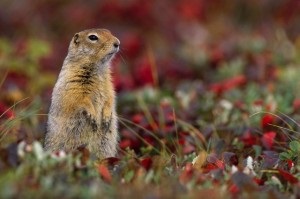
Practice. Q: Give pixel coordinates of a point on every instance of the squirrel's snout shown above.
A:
(116, 43)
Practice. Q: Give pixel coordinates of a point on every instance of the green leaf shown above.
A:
(295, 146)
(257, 150)
(129, 175)
(285, 156)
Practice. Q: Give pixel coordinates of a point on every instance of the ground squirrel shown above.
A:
(82, 110)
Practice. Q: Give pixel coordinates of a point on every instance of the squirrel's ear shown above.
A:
(76, 38)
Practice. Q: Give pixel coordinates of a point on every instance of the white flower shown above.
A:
(233, 169)
(249, 166)
(21, 149)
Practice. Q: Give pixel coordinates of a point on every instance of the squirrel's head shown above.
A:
(94, 45)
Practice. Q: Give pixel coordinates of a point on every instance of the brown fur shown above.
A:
(82, 110)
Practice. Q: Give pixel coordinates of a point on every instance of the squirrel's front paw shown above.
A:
(105, 124)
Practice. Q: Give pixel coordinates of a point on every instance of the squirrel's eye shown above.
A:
(93, 37)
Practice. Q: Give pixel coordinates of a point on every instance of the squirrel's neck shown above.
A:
(87, 66)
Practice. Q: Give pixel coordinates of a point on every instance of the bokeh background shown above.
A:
(182, 48)
(208, 99)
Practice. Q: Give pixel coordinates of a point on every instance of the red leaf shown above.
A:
(228, 84)
(220, 164)
(146, 163)
(213, 159)
(266, 120)
(187, 173)
(137, 118)
(259, 181)
(149, 140)
(130, 142)
(6, 112)
(233, 189)
(104, 173)
(290, 163)
(125, 143)
(248, 139)
(288, 177)
(296, 104)
(268, 139)
(234, 82)
(208, 167)
(181, 141)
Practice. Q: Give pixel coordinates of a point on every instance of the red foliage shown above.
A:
(19, 80)
(296, 104)
(137, 118)
(146, 163)
(131, 143)
(290, 163)
(187, 174)
(111, 8)
(124, 143)
(268, 139)
(188, 42)
(150, 140)
(122, 82)
(140, 12)
(288, 177)
(6, 112)
(191, 10)
(266, 120)
(259, 181)
(209, 167)
(143, 73)
(228, 84)
(104, 173)
(233, 189)
(131, 45)
(213, 163)
(249, 139)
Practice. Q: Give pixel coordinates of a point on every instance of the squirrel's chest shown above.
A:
(98, 98)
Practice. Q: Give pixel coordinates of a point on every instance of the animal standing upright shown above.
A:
(82, 111)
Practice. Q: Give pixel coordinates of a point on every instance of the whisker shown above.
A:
(123, 58)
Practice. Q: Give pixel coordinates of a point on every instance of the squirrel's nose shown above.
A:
(117, 43)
